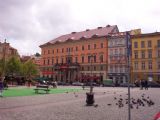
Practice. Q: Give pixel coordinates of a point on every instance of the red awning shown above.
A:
(48, 72)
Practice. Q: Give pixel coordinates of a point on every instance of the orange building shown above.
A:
(79, 56)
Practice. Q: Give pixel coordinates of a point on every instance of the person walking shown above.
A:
(141, 85)
(146, 84)
(1, 87)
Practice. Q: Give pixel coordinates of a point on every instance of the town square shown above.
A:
(79, 60)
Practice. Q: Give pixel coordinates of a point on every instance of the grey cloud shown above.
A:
(33, 23)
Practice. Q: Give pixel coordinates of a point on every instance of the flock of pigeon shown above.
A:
(134, 103)
(143, 101)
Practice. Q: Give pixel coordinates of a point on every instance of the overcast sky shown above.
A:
(26, 24)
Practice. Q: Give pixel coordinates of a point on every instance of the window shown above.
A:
(143, 54)
(76, 48)
(89, 59)
(62, 60)
(121, 51)
(101, 45)
(82, 68)
(143, 66)
(158, 43)
(95, 46)
(53, 51)
(69, 49)
(94, 68)
(48, 61)
(82, 59)
(136, 65)
(116, 52)
(121, 68)
(159, 65)
(88, 68)
(158, 53)
(52, 61)
(95, 59)
(62, 50)
(111, 69)
(142, 44)
(149, 53)
(44, 62)
(111, 52)
(82, 47)
(56, 60)
(149, 43)
(57, 50)
(89, 47)
(136, 54)
(135, 44)
(76, 59)
(150, 65)
(101, 67)
(116, 69)
(111, 43)
(101, 58)
(48, 51)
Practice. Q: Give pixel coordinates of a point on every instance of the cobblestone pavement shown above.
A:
(70, 106)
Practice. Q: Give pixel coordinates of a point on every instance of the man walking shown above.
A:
(1, 87)
(146, 84)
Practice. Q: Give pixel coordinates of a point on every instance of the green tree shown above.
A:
(37, 55)
(1, 66)
(13, 66)
(29, 69)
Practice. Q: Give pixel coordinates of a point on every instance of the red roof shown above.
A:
(98, 32)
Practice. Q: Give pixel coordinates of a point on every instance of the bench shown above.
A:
(42, 88)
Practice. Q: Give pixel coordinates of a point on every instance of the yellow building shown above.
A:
(146, 56)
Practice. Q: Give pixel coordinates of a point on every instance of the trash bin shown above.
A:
(90, 98)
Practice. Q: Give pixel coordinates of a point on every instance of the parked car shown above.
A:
(93, 83)
(126, 85)
(77, 84)
(108, 83)
(153, 84)
(62, 83)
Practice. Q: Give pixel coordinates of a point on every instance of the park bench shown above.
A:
(42, 88)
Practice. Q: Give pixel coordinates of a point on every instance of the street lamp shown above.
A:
(90, 95)
(128, 55)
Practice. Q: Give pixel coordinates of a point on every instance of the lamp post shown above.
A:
(128, 51)
(4, 60)
(90, 96)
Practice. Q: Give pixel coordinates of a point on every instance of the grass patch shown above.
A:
(13, 92)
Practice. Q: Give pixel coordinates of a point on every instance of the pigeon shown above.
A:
(96, 105)
(115, 98)
(109, 104)
(137, 107)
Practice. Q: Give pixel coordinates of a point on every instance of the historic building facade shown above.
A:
(117, 60)
(146, 56)
(117, 56)
(7, 51)
(79, 56)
